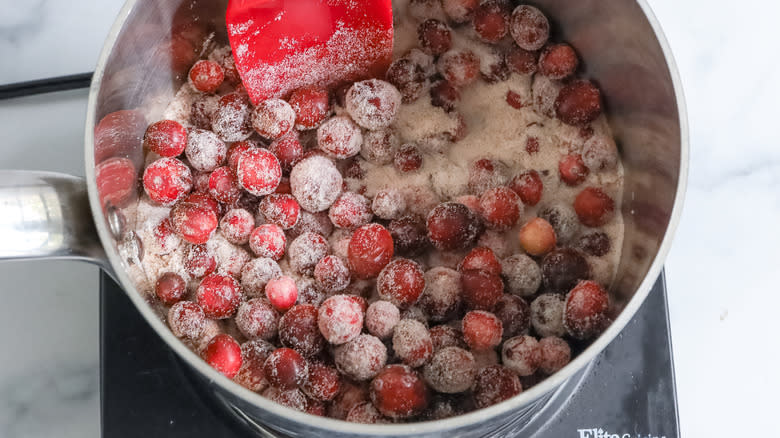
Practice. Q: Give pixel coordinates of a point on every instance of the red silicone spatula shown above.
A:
(281, 45)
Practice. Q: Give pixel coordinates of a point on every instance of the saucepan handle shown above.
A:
(45, 215)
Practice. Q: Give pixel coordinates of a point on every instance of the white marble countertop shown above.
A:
(722, 286)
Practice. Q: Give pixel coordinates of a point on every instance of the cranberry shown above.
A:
(167, 180)
(349, 396)
(547, 315)
(373, 104)
(482, 330)
(298, 330)
(339, 137)
(361, 358)
(441, 297)
(350, 210)
(594, 208)
(201, 111)
(199, 261)
(365, 413)
(444, 95)
(268, 240)
(203, 199)
(332, 274)
(206, 76)
(231, 120)
(324, 382)
(494, 384)
(204, 150)
(288, 151)
(486, 174)
(459, 67)
(563, 268)
(311, 106)
(259, 171)
(600, 153)
(521, 354)
(408, 158)
(273, 118)
(521, 61)
(186, 320)
(500, 207)
(165, 238)
(596, 243)
(491, 21)
(200, 182)
(224, 354)
(286, 369)
(529, 27)
(253, 356)
(236, 226)
(306, 251)
(309, 292)
(497, 242)
(481, 290)
(389, 204)
(515, 100)
(409, 235)
(578, 103)
(291, 398)
(483, 259)
(572, 169)
(193, 222)
(381, 318)
(379, 146)
(370, 249)
(257, 273)
(528, 185)
(399, 392)
(451, 370)
(282, 210)
(537, 237)
(585, 312)
(166, 138)
(444, 336)
(228, 64)
(453, 226)
(470, 201)
(558, 61)
(435, 37)
(563, 220)
(219, 296)
(532, 145)
(401, 282)
(408, 77)
(412, 342)
(340, 319)
(523, 276)
(316, 183)
(459, 11)
(257, 319)
(514, 314)
(556, 353)
(223, 185)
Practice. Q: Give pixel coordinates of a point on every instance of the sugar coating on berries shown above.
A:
(186, 320)
(600, 153)
(373, 104)
(281, 292)
(408, 77)
(435, 37)
(223, 185)
(556, 353)
(408, 158)
(257, 319)
(399, 392)
(282, 210)
(444, 336)
(253, 356)
(194, 223)
(291, 398)
(481, 258)
(491, 21)
(401, 282)
(268, 240)
(596, 243)
(500, 207)
(486, 174)
(199, 261)
(365, 413)
(494, 384)
(459, 11)
(521, 61)
(572, 169)
(332, 274)
(547, 315)
(529, 27)
(340, 319)
(459, 67)
(412, 342)
(231, 120)
(528, 185)
(441, 296)
(257, 273)
(315, 183)
(288, 151)
(544, 92)
(370, 250)
(563, 219)
(259, 171)
(521, 354)
(514, 314)
(324, 382)
(298, 330)
(318, 223)
(340, 137)
(563, 268)
(273, 118)
(361, 358)
(451, 371)
(219, 296)
(205, 151)
(379, 146)
(224, 354)
(409, 235)
(166, 138)
(170, 288)
(306, 251)
(389, 204)
(350, 210)
(381, 318)
(586, 310)
(481, 330)
(167, 180)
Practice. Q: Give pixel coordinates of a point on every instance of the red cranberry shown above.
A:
(451, 370)
(199, 261)
(166, 138)
(268, 240)
(373, 104)
(167, 180)
(452, 226)
(365, 413)
(409, 235)
(257, 319)
(204, 200)
(401, 282)
(399, 392)
(361, 358)
(311, 106)
(340, 319)
(259, 171)
(236, 226)
(370, 249)
(529, 27)
(459, 67)
(547, 315)
(186, 320)
(408, 77)
(224, 354)
(596, 243)
(578, 103)
(528, 186)
(441, 297)
(434, 36)
(521, 61)
(572, 169)
(273, 118)
(537, 237)
(500, 207)
(412, 343)
(350, 210)
(219, 296)
(408, 158)
(332, 274)
(486, 174)
(495, 384)
(459, 11)
(563, 268)
(340, 137)
(481, 290)
(206, 76)
(532, 145)
(324, 382)
(306, 251)
(298, 330)
(514, 314)
(315, 183)
(586, 311)
(515, 100)
(286, 369)
(491, 21)
(378, 147)
(281, 292)
(381, 318)
(282, 210)
(482, 330)
(223, 185)
(558, 61)
(556, 353)
(291, 398)
(204, 150)
(231, 120)
(288, 150)
(257, 273)
(594, 208)
(444, 336)
(444, 95)
(483, 259)
(253, 356)
(521, 354)
(170, 288)
(165, 238)
(193, 222)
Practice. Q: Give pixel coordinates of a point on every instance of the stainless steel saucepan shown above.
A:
(145, 60)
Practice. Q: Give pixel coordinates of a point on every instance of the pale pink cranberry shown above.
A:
(365, 413)
(514, 314)
(412, 342)
(381, 318)
(224, 354)
(288, 150)
(206, 76)
(529, 27)
(257, 273)
(482, 330)
(306, 251)
(315, 183)
(401, 282)
(167, 180)
(257, 319)
(186, 320)
(459, 67)
(340, 319)
(332, 274)
(199, 261)
(298, 330)
(281, 292)
(273, 118)
(340, 137)
(165, 239)
(291, 398)
(236, 226)
(324, 382)
(282, 210)
(350, 210)
(231, 120)
(399, 392)
(556, 353)
(379, 146)
(253, 356)
(370, 250)
(521, 354)
(452, 370)
(268, 240)
(389, 204)
(223, 185)
(286, 369)
(444, 336)
(219, 296)
(495, 384)
(259, 172)
(193, 222)
(361, 358)
(166, 138)
(373, 104)
(205, 151)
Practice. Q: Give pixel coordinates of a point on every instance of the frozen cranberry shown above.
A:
(408, 77)
(401, 282)
(556, 353)
(231, 120)
(444, 95)
(298, 330)
(170, 288)
(482, 330)
(166, 138)
(408, 158)
(291, 398)
(409, 235)
(350, 210)
(483, 259)
(537, 237)
(268, 240)
(521, 354)
(596, 243)
(500, 207)
(223, 185)
(339, 137)
(547, 315)
(219, 296)
(167, 180)
(459, 11)
(453, 226)
(324, 382)
(281, 210)
(563, 268)
(259, 171)
(311, 106)
(558, 61)
(563, 220)
(399, 392)
(281, 292)
(286, 369)
(257, 319)
(594, 208)
(494, 384)
(332, 274)
(388, 204)
(349, 396)
(193, 222)
(532, 145)
(257, 273)
(578, 103)
(206, 76)
(459, 67)
(199, 261)
(340, 319)
(521, 61)
(224, 354)
(444, 336)
(186, 320)
(572, 169)
(379, 146)
(381, 318)
(306, 251)
(452, 370)
(523, 276)
(236, 226)
(165, 239)
(585, 311)
(370, 249)
(435, 37)
(204, 150)
(529, 27)
(288, 150)
(361, 358)
(201, 111)
(253, 356)
(412, 342)
(528, 185)
(515, 100)
(441, 297)
(365, 413)
(491, 21)
(514, 314)
(600, 153)
(481, 290)
(315, 183)
(486, 174)
(273, 118)
(373, 104)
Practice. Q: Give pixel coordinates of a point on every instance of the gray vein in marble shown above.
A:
(27, 19)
